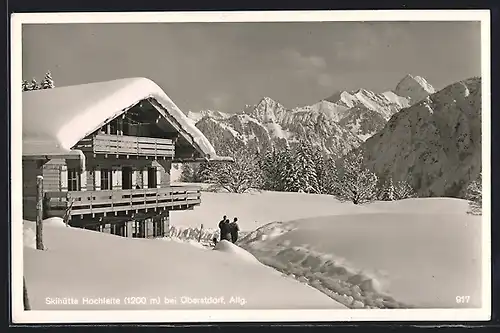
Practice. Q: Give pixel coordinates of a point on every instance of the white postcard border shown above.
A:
(174, 316)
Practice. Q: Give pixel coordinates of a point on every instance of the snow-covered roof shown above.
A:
(54, 120)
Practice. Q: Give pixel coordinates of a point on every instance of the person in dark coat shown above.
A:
(234, 229)
(224, 229)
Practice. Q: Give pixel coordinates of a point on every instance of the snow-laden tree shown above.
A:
(388, 190)
(48, 82)
(403, 190)
(25, 85)
(289, 171)
(238, 177)
(319, 162)
(306, 170)
(270, 166)
(34, 84)
(358, 184)
(475, 195)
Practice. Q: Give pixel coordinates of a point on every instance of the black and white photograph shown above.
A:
(277, 166)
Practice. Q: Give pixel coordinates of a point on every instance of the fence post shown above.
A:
(39, 212)
(26, 300)
(201, 230)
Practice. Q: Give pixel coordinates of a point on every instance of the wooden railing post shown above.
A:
(39, 212)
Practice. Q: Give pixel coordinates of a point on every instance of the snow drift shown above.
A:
(396, 258)
(80, 264)
(238, 252)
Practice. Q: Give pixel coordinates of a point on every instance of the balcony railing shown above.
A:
(127, 145)
(114, 201)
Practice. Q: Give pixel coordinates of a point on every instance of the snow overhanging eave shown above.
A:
(71, 154)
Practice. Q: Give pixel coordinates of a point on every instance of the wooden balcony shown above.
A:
(117, 201)
(109, 144)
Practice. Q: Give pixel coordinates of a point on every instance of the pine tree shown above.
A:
(34, 84)
(270, 170)
(307, 177)
(475, 195)
(330, 178)
(358, 184)
(388, 194)
(48, 82)
(319, 163)
(288, 172)
(25, 85)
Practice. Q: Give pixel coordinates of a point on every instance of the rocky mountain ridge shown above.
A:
(337, 124)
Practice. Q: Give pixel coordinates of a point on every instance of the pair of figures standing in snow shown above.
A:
(229, 230)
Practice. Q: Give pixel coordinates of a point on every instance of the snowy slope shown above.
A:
(337, 124)
(256, 209)
(400, 257)
(435, 144)
(408, 253)
(80, 263)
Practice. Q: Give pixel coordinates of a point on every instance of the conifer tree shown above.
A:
(34, 84)
(306, 171)
(389, 190)
(475, 195)
(330, 177)
(48, 82)
(25, 85)
(271, 170)
(288, 172)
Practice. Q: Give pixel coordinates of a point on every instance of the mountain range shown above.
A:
(337, 124)
(413, 132)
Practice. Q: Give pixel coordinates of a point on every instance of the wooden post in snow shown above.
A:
(39, 212)
(26, 300)
(199, 236)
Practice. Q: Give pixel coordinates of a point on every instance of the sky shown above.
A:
(224, 66)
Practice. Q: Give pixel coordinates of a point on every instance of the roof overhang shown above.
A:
(221, 159)
(36, 150)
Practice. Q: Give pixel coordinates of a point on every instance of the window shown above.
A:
(113, 128)
(152, 181)
(158, 227)
(126, 178)
(73, 180)
(106, 179)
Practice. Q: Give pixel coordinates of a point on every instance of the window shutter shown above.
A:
(117, 179)
(145, 178)
(64, 178)
(97, 180)
(158, 177)
(134, 179)
(83, 180)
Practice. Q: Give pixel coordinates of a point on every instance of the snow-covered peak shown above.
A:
(267, 110)
(415, 88)
(343, 98)
(196, 116)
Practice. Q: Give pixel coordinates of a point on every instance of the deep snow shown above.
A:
(414, 253)
(411, 253)
(80, 263)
